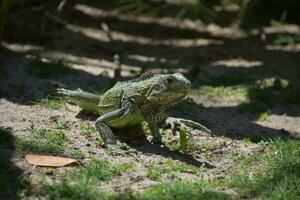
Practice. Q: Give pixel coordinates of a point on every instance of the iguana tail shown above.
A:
(85, 100)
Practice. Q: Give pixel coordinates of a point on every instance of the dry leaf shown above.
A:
(50, 161)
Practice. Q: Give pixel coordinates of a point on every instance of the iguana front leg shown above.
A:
(155, 133)
(173, 122)
(106, 133)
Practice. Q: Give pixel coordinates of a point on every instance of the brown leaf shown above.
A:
(50, 161)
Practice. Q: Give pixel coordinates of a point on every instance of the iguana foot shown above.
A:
(115, 149)
(174, 122)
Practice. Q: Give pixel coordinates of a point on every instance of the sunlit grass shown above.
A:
(271, 175)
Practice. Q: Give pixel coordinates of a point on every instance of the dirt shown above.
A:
(155, 44)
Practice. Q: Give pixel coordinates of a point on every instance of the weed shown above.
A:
(42, 69)
(78, 154)
(264, 116)
(183, 139)
(246, 140)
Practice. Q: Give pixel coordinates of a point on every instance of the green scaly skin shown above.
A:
(132, 102)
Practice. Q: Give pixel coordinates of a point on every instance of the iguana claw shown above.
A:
(173, 122)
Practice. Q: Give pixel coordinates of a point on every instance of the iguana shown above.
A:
(129, 103)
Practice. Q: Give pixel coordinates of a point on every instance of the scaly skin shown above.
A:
(131, 102)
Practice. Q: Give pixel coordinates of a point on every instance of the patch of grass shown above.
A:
(238, 91)
(237, 155)
(44, 142)
(170, 191)
(63, 125)
(274, 90)
(267, 93)
(56, 137)
(42, 69)
(49, 103)
(226, 80)
(100, 170)
(34, 146)
(284, 39)
(82, 183)
(277, 176)
(264, 116)
(171, 169)
(78, 154)
(87, 129)
(66, 190)
(184, 190)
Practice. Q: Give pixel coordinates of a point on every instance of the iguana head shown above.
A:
(166, 89)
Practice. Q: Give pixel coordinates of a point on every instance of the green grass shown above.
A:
(78, 154)
(264, 116)
(63, 125)
(277, 176)
(100, 170)
(66, 190)
(44, 142)
(283, 39)
(52, 104)
(177, 190)
(256, 97)
(42, 69)
(82, 183)
(238, 91)
(269, 92)
(184, 190)
(87, 129)
(171, 170)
